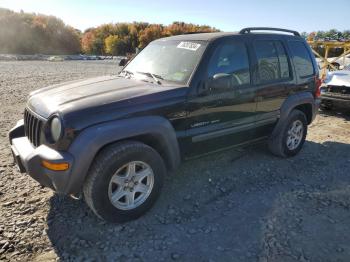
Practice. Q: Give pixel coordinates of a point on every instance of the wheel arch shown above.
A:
(307, 110)
(303, 101)
(151, 140)
(154, 131)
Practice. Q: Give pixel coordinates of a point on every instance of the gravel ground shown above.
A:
(239, 205)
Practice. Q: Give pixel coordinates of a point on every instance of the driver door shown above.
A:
(223, 113)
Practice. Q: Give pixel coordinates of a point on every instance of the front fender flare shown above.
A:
(89, 142)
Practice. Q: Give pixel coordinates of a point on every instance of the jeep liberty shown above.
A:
(113, 139)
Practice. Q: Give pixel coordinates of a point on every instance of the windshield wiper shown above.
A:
(155, 77)
(126, 73)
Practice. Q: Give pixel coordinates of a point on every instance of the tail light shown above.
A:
(318, 83)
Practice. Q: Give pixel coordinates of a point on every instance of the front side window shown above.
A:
(301, 59)
(272, 59)
(229, 66)
(168, 60)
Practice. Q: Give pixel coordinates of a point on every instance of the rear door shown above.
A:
(273, 78)
(224, 113)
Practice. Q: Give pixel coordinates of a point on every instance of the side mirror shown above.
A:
(220, 76)
(220, 81)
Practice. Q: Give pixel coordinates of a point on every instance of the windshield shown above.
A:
(172, 61)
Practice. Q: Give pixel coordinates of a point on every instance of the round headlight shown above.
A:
(56, 129)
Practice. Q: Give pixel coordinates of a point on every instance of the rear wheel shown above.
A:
(291, 136)
(124, 181)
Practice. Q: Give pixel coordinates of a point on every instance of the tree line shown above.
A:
(29, 33)
(23, 33)
(122, 38)
(332, 34)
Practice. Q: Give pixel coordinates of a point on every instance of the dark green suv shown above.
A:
(112, 139)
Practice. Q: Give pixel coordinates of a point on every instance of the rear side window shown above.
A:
(273, 63)
(283, 60)
(301, 59)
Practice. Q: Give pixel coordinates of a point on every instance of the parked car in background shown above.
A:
(339, 63)
(336, 89)
(55, 59)
(115, 138)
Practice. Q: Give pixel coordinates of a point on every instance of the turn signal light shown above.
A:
(55, 166)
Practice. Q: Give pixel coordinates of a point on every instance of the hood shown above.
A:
(76, 95)
(338, 78)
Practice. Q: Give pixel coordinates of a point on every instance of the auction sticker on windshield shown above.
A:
(189, 46)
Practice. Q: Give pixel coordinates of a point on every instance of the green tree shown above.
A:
(115, 45)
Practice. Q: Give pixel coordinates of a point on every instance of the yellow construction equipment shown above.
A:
(328, 45)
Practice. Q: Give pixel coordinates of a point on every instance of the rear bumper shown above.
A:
(29, 159)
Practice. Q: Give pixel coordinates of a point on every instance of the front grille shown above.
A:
(32, 127)
(339, 89)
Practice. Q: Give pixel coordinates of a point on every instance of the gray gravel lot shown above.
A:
(239, 205)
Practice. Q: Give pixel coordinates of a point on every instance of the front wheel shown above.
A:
(291, 136)
(124, 181)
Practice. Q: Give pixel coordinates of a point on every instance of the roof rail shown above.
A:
(248, 29)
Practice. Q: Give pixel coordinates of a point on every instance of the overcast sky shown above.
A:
(226, 15)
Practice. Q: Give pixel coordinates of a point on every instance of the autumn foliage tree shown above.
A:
(122, 38)
(151, 33)
(23, 33)
(178, 28)
(87, 42)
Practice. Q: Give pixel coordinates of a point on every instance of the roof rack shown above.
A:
(248, 29)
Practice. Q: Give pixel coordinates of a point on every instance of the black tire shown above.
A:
(278, 142)
(107, 162)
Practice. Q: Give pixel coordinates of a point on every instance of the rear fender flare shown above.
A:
(291, 103)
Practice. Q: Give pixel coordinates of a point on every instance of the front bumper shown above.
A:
(329, 96)
(29, 159)
(335, 99)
